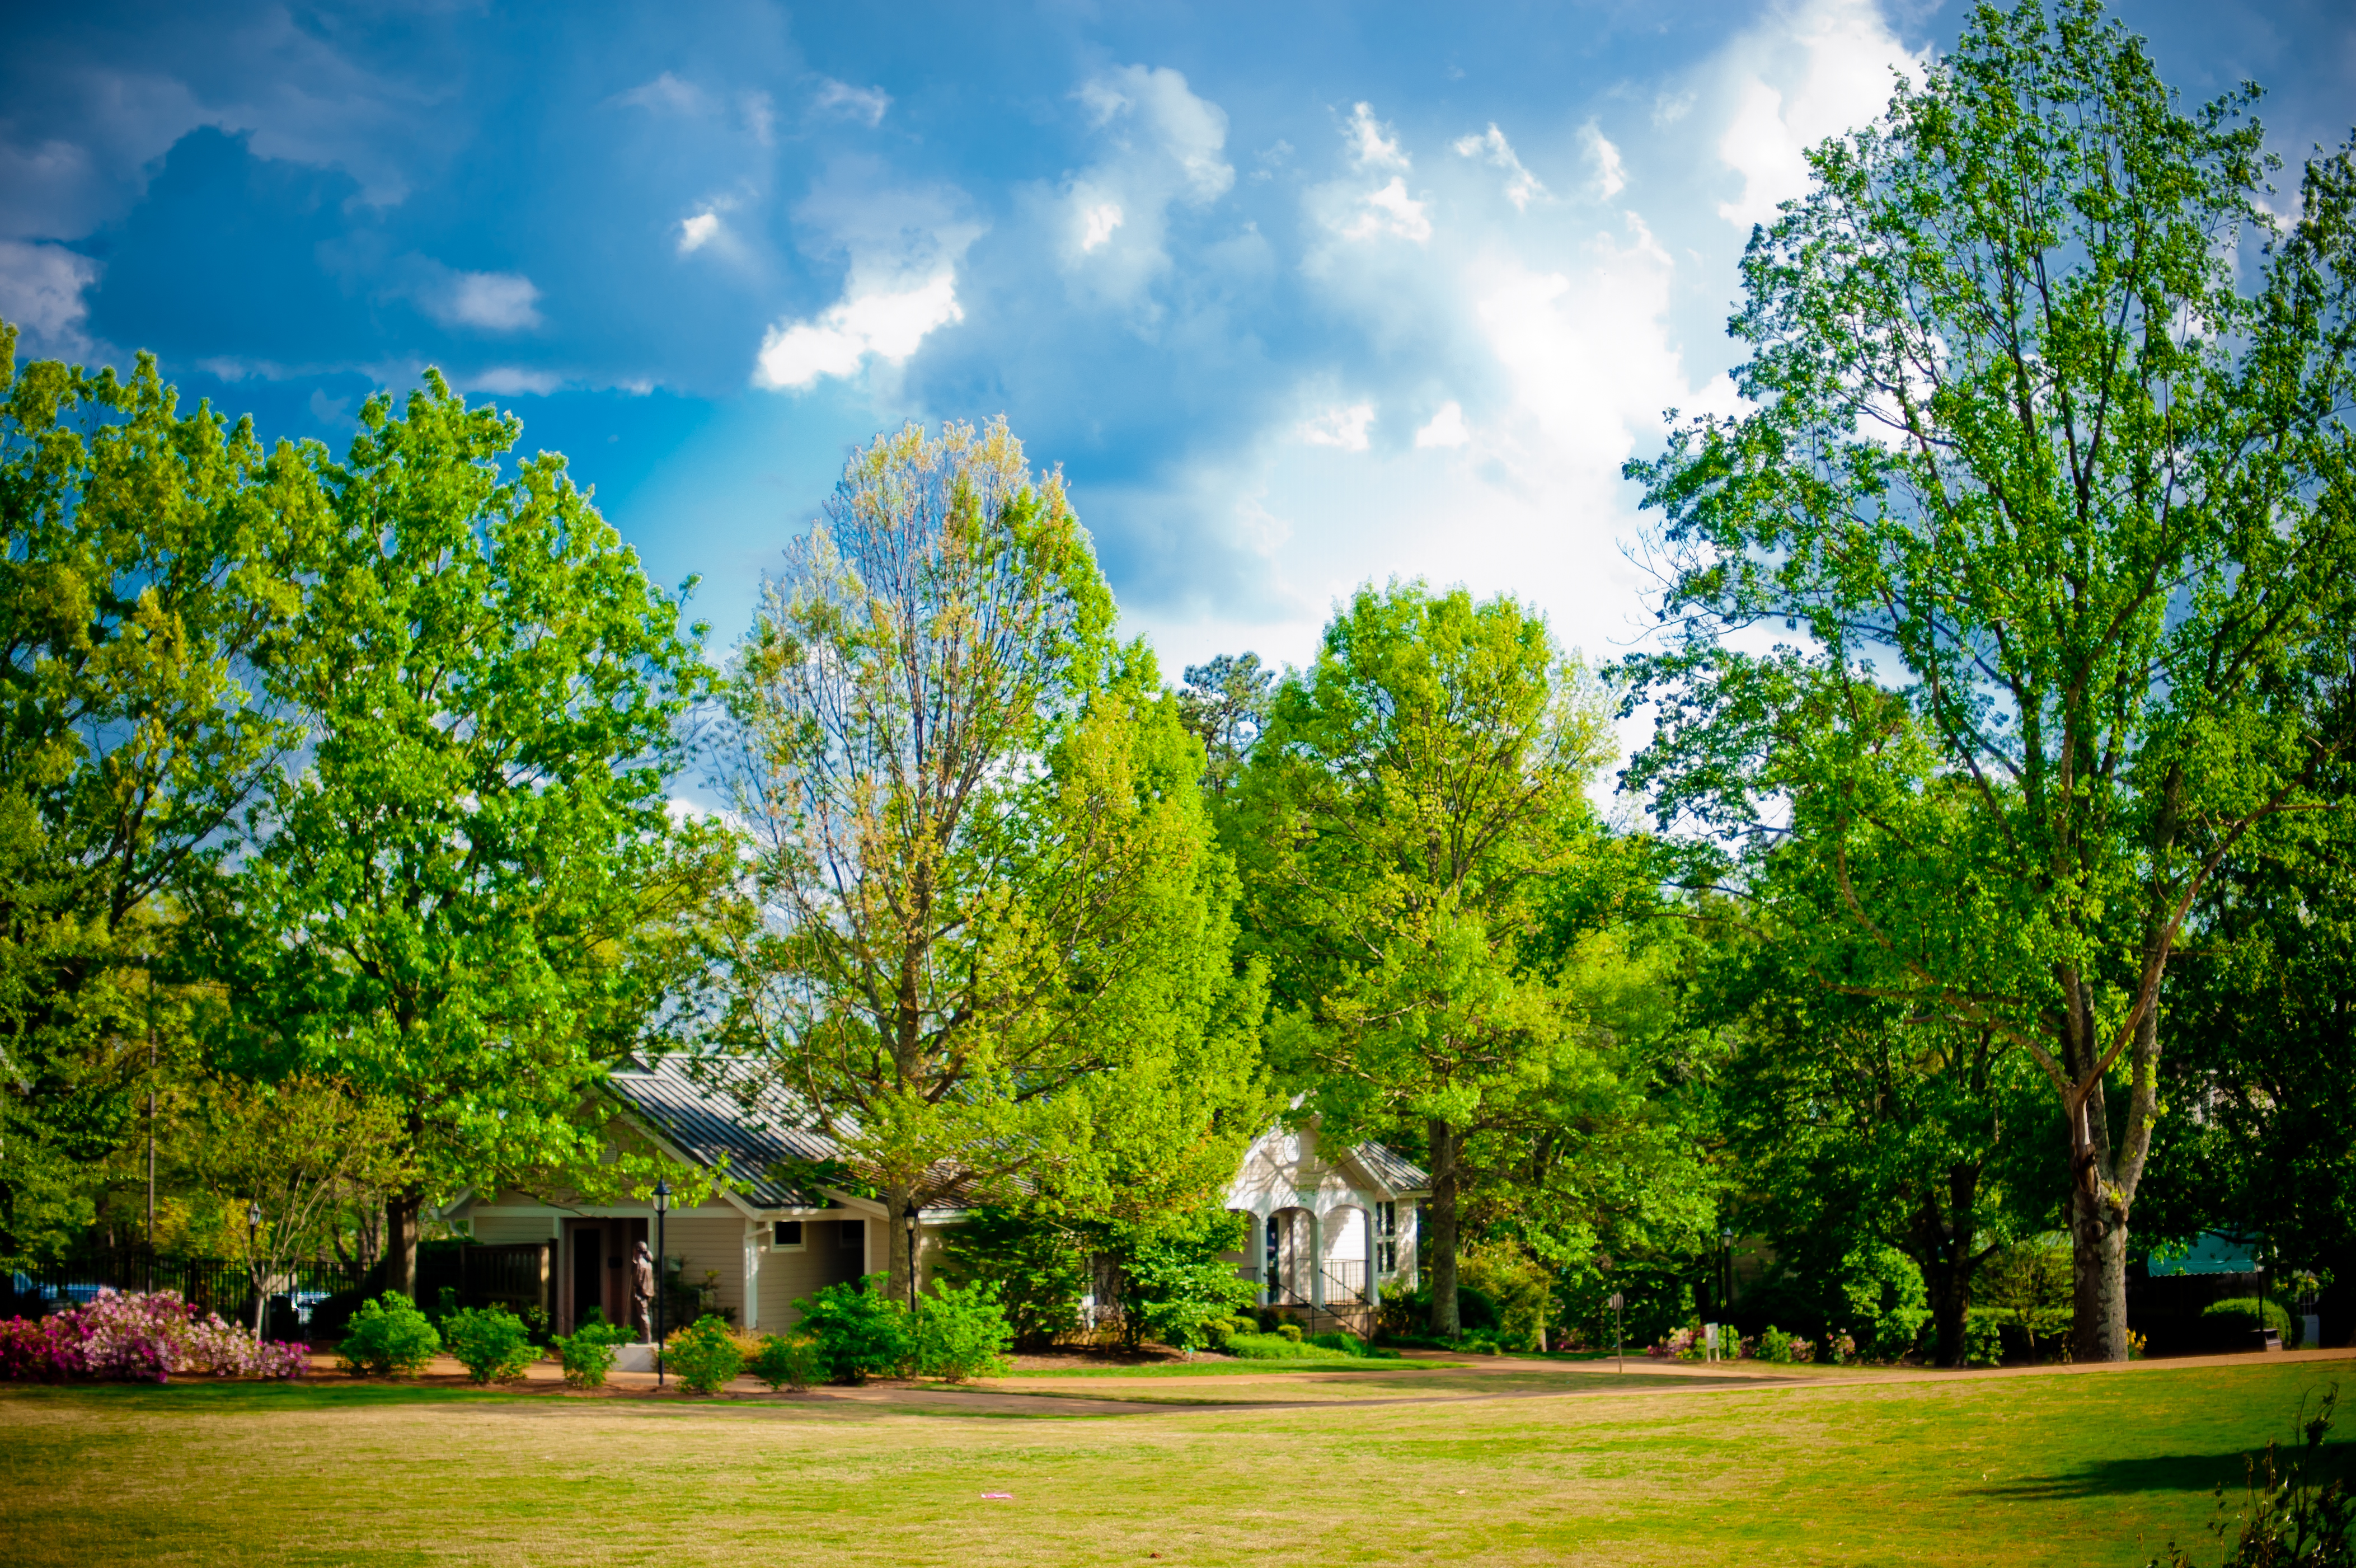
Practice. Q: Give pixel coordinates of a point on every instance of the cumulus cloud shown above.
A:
(1373, 144)
(1845, 53)
(843, 100)
(880, 323)
(42, 291)
(1389, 211)
(696, 233)
(1447, 428)
(1522, 187)
(1343, 427)
(1158, 146)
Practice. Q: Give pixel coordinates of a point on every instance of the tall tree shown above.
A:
(150, 579)
(443, 908)
(992, 939)
(2062, 514)
(1224, 705)
(1415, 786)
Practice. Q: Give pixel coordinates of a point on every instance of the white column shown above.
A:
(752, 1275)
(1316, 1258)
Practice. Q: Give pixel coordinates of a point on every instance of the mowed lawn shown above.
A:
(1528, 1462)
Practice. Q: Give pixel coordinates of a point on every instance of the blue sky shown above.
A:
(1299, 295)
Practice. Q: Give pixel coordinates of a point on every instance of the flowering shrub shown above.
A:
(1682, 1345)
(142, 1338)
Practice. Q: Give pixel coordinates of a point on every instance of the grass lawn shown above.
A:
(1530, 1461)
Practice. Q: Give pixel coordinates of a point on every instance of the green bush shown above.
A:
(961, 1334)
(491, 1343)
(1983, 1339)
(861, 1332)
(587, 1353)
(386, 1336)
(1477, 1309)
(703, 1356)
(1348, 1344)
(2232, 1323)
(787, 1361)
(1277, 1347)
(1774, 1345)
(1291, 1331)
(1888, 1303)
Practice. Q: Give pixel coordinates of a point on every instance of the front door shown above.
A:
(588, 1271)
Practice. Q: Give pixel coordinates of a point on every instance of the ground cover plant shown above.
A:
(1916, 1468)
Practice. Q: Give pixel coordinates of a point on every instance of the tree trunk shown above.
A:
(2098, 1271)
(1946, 1247)
(1446, 1143)
(898, 1263)
(401, 1210)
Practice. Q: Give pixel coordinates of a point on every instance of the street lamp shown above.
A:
(1726, 1271)
(662, 1206)
(908, 1222)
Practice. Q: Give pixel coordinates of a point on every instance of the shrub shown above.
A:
(2232, 1323)
(1291, 1331)
(787, 1361)
(587, 1353)
(703, 1356)
(861, 1332)
(1774, 1345)
(491, 1343)
(1477, 1309)
(1348, 1344)
(1511, 1283)
(386, 1336)
(961, 1334)
(1888, 1303)
(142, 1337)
(1983, 1339)
(1277, 1347)
(40, 1351)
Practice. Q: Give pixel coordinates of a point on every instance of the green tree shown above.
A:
(993, 942)
(2061, 513)
(447, 907)
(149, 584)
(1224, 705)
(1414, 787)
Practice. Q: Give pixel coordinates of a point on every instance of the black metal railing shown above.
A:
(1345, 1280)
(300, 1293)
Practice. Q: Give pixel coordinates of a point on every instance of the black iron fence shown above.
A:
(305, 1299)
(519, 1277)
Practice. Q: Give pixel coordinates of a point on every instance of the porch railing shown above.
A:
(1345, 1280)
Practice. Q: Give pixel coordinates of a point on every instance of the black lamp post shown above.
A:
(1726, 1273)
(662, 1206)
(908, 1222)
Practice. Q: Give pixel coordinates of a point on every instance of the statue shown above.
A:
(642, 1292)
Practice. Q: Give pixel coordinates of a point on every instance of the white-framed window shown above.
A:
(1386, 1238)
(785, 1236)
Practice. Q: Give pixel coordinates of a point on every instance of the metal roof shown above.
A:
(1393, 1170)
(723, 1110)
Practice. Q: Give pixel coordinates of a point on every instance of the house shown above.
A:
(1331, 1230)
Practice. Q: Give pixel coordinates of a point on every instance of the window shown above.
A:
(787, 1237)
(851, 1236)
(1386, 1238)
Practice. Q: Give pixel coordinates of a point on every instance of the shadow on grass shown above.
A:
(2164, 1473)
(212, 1398)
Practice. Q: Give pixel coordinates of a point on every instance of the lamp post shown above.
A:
(1726, 1273)
(908, 1223)
(662, 1206)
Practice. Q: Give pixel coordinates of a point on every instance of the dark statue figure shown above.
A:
(642, 1292)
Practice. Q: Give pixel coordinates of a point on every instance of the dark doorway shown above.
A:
(588, 1271)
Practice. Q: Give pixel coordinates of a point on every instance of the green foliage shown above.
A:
(1774, 1345)
(992, 931)
(1280, 1347)
(1037, 1264)
(1514, 1289)
(860, 1331)
(387, 1337)
(149, 584)
(2232, 1322)
(461, 920)
(1288, 1332)
(787, 1361)
(2041, 475)
(1224, 705)
(1176, 1285)
(703, 1356)
(960, 1334)
(1887, 1303)
(491, 1343)
(1982, 1340)
(587, 1353)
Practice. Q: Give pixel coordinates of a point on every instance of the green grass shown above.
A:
(1241, 1369)
(1531, 1464)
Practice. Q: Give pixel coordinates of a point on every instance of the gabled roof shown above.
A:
(1391, 1168)
(757, 1127)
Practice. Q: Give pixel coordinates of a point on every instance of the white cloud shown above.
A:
(510, 380)
(848, 103)
(497, 302)
(696, 233)
(1846, 52)
(667, 94)
(1159, 146)
(41, 290)
(1523, 186)
(760, 117)
(1097, 222)
(1610, 176)
(1373, 144)
(884, 325)
(1390, 210)
(1447, 428)
(1342, 427)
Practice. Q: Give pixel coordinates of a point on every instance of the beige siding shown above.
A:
(496, 1228)
(714, 1242)
(787, 1277)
